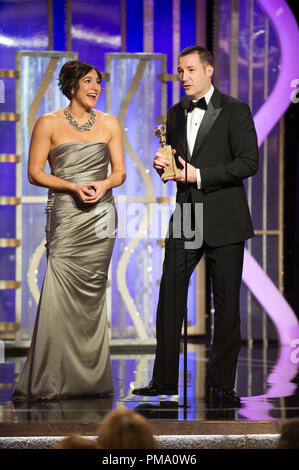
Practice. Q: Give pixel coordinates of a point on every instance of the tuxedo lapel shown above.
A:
(208, 121)
(182, 147)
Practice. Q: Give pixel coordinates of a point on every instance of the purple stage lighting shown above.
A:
(255, 278)
(282, 315)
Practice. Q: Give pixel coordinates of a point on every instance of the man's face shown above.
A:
(194, 76)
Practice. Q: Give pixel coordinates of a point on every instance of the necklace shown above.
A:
(73, 122)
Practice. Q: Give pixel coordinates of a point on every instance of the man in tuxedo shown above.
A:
(215, 137)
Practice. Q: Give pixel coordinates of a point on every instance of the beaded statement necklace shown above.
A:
(73, 122)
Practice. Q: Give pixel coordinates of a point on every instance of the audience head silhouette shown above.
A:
(289, 438)
(123, 428)
(74, 441)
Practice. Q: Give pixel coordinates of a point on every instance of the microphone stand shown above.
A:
(185, 105)
(186, 287)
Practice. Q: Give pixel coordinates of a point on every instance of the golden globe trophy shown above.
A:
(166, 150)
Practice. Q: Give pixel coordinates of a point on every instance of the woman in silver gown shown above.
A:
(69, 352)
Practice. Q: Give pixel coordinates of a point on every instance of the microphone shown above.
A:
(185, 104)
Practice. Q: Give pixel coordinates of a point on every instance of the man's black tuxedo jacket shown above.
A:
(226, 152)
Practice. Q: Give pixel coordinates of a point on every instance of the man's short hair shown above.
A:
(205, 56)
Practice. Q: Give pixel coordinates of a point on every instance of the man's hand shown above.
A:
(181, 177)
(160, 162)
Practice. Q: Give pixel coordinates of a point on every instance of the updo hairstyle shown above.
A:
(70, 74)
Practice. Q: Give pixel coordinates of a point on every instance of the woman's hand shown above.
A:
(98, 190)
(83, 192)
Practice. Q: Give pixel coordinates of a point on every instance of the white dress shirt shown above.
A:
(193, 123)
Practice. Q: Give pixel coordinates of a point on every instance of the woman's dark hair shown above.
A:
(70, 74)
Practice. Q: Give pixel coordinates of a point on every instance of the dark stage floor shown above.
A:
(267, 381)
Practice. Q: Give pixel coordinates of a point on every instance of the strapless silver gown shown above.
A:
(69, 352)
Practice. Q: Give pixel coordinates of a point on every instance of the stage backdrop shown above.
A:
(247, 66)
(136, 95)
(247, 53)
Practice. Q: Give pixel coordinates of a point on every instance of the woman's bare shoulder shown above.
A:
(53, 115)
(51, 120)
(107, 119)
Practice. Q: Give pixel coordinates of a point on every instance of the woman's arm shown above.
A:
(38, 153)
(118, 170)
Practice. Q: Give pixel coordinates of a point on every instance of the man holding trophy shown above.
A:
(213, 135)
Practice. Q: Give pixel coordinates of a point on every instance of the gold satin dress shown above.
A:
(69, 353)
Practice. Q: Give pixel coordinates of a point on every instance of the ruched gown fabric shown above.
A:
(69, 352)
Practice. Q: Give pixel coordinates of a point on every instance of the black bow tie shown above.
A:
(202, 104)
